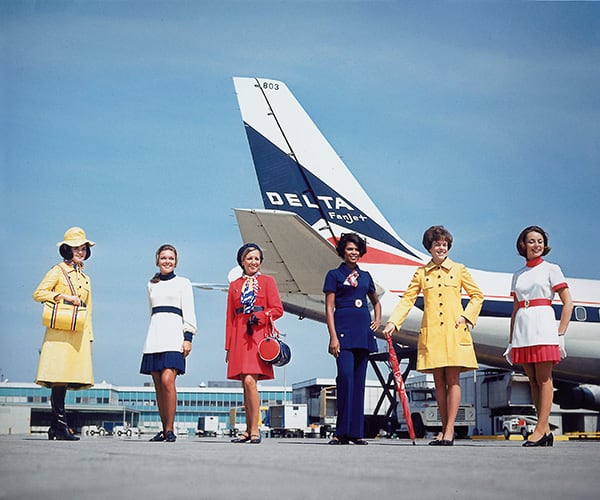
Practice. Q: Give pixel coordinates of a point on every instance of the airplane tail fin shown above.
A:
(298, 171)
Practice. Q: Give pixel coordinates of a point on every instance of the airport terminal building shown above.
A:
(490, 399)
(25, 407)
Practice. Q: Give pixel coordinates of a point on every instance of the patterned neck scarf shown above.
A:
(74, 265)
(249, 292)
(352, 279)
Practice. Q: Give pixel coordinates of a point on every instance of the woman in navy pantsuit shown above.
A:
(351, 336)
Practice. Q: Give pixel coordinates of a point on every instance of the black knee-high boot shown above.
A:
(60, 428)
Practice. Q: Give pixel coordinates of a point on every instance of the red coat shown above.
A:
(243, 348)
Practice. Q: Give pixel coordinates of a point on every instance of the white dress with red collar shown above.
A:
(536, 325)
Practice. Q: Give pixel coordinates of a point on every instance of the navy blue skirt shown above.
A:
(158, 361)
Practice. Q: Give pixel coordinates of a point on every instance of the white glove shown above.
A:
(561, 346)
(507, 354)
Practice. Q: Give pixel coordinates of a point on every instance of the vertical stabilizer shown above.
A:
(298, 171)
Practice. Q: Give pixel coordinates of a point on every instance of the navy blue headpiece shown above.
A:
(245, 247)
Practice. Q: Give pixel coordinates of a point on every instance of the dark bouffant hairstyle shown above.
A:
(245, 250)
(346, 238)
(436, 233)
(66, 252)
(523, 236)
(162, 248)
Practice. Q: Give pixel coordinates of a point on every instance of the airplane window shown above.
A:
(580, 313)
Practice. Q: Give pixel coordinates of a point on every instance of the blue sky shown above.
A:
(121, 117)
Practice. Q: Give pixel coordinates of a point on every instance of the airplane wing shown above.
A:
(295, 255)
(221, 287)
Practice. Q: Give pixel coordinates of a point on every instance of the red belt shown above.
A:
(534, 302)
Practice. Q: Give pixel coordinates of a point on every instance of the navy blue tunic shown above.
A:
(352, 317)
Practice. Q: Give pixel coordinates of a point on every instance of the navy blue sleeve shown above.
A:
(330, 284)
(371, 288)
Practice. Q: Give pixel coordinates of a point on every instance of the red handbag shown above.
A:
(272, 349)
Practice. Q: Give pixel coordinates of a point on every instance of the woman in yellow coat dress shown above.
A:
(445, 346)
(66, 356)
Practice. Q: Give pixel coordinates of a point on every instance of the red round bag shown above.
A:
(272, 349)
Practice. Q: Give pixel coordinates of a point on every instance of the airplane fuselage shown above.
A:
(490, 334)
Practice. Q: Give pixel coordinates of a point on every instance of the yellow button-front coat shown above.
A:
(66, 357)
(441, 342)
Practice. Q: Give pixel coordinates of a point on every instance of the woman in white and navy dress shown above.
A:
(351, 337)
(536, 339)
(169, 338)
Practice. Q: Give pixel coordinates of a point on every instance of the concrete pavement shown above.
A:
(32, 467)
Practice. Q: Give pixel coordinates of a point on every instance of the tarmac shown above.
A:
(31, 467)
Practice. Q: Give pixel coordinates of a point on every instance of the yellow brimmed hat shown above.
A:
(74, 237)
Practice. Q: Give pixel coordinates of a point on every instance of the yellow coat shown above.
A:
(441, 343)
(66, 357)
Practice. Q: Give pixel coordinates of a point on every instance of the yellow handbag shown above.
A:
(64, 315)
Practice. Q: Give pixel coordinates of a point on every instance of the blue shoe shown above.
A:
(159, 436)
(170, 437)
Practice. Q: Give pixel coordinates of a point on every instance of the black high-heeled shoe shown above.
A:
(60, 432)
(337, 440)
(550, 439)
(540, 442)
(59, 429)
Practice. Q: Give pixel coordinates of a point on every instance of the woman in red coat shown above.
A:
(251, 298)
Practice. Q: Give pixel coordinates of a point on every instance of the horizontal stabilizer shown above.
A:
(221, 287)
(296, 256)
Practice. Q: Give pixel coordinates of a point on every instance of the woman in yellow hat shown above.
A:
(66, 355)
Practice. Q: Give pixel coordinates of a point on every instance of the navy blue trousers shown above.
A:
(352, 372)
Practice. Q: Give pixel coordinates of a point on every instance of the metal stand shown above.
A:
(389, 420)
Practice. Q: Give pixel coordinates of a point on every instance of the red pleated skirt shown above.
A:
(536, 354)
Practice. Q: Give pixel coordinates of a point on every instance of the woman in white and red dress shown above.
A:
(536, 338)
